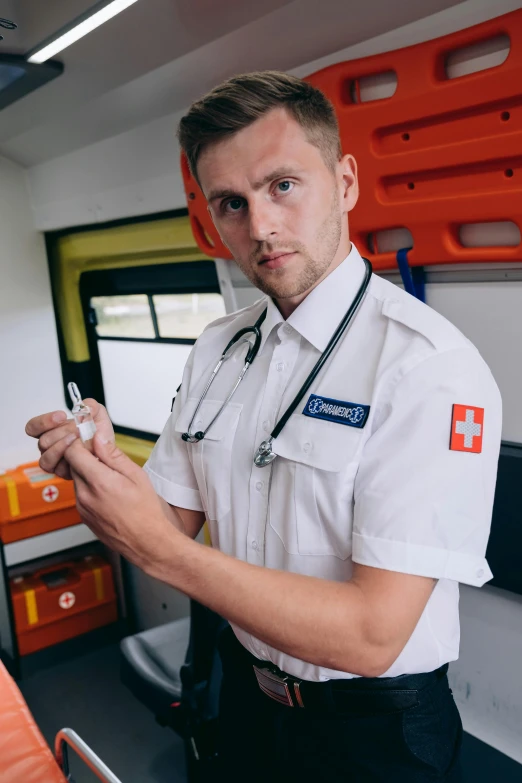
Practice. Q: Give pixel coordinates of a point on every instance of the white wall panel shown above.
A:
(490, 315)
(486, 680)
(30, 375)
(139, 380)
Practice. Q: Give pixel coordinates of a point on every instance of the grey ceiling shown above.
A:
(158, 55)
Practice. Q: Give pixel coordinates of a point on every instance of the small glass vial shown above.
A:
(82, 417)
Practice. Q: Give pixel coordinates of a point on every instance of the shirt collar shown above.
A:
(319, 315)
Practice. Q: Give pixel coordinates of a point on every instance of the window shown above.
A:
(123, 316)
(142, 324)
(186, 315)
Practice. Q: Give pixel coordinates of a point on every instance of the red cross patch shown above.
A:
(467, 428)
(50, 493)
(67, 600)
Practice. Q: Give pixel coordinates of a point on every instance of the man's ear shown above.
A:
(348, 181)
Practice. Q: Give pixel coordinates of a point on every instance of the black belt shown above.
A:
(359, 695)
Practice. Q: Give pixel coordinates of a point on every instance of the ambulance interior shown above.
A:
(109, 271)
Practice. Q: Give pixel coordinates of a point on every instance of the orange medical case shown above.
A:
(34, 502)
(62, 601)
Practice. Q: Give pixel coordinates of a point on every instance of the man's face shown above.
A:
(278, 207)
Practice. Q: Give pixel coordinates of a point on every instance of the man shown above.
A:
(338, 564)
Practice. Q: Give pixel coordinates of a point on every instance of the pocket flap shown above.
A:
(225, 423)
(320, 444)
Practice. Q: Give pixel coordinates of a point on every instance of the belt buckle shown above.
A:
(277, 688)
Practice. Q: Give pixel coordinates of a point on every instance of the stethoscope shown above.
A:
(264, 455)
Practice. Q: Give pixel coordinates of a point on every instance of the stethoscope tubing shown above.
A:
(264, 454)
(251, 355)
(326, 353)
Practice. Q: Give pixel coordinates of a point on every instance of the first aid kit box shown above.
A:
(62, 601)
(33, 502)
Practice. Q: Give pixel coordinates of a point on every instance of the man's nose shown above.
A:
(262, 221)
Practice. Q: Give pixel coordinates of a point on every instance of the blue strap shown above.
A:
(413, 279)
(419, 281)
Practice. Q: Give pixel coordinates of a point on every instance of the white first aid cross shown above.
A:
(364, 476)
(469, 429)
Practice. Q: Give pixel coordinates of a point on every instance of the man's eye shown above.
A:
(234, 205)
(285, 186)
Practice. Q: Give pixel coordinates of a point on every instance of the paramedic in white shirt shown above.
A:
(337, 565)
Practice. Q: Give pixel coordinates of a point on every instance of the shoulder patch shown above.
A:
(467, 429)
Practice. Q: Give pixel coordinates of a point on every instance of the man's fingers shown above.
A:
(98, 411)
(51, 437)
(47, 421)
(52, 456)
(83, 464)
(63, 470)
(113, 457)
(101, 419)
(81, 488)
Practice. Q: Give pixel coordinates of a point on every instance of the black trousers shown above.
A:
(262, 740)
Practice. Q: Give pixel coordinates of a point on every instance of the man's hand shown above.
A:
(117, 501)
(55, 433)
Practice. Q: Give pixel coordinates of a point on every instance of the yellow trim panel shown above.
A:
(31, 607)
(139, 244)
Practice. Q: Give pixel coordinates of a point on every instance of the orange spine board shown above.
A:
(438, 154)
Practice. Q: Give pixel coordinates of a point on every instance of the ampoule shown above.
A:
(82, 416)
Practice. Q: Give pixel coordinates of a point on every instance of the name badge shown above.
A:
(338, 411)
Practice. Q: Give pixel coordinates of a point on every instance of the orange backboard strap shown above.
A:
(438, 154)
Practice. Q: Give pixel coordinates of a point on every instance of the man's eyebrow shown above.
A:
(276, 174)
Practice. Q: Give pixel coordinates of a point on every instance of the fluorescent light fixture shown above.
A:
(80, 29)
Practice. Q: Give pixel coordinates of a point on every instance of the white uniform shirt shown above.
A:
(390, 494)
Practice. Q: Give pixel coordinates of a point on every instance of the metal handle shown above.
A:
(69, 737)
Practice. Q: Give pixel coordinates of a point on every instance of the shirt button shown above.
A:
(287, 329)
(259, 486)
(255, 545)
(266, 426)
(280, 366)
(307, 447)
(480, 573)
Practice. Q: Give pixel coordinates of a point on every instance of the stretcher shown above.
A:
(24, 753)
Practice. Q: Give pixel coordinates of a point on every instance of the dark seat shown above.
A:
(175, 671)
(151, 663)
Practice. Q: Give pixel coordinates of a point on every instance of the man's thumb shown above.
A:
(108, 453)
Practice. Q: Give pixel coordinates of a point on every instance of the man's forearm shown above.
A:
(316, 620)
(172, 515)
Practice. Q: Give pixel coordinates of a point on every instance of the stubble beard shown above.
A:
(280, 285)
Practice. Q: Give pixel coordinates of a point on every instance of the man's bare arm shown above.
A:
(184, 519)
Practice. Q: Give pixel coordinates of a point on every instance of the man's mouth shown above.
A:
(275, 260)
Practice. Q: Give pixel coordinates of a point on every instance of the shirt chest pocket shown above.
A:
(318, 463)
(211, 457)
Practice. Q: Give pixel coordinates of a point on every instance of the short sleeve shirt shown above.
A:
(389, 460)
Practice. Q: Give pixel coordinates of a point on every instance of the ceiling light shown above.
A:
(80, 28)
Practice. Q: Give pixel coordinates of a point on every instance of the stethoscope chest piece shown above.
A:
(264, 455)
